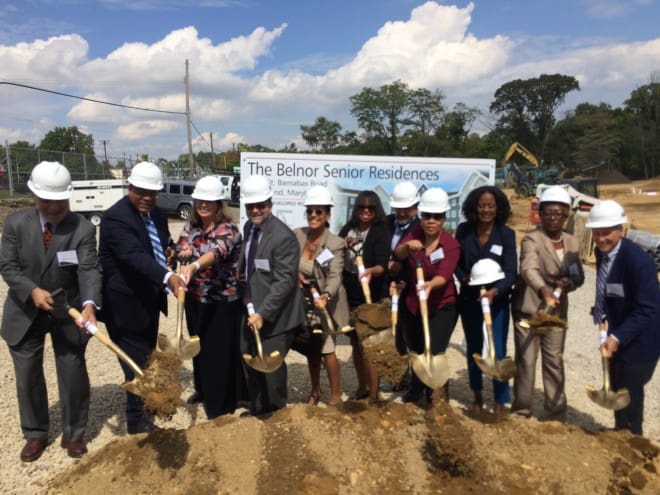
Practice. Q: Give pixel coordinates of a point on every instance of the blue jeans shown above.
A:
(472, 319)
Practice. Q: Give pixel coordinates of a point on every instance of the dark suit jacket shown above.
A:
(274, 288)
(133, 290)
(25, 265)
(501, 247)
(632, 304)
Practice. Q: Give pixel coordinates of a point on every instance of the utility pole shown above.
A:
(105, 151)
(191, 164)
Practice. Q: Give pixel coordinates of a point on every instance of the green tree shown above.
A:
(644, 103)
(425, 111)
(381, 113)
(455, 128)
(526, 108)
(323, 133)
(74, 149)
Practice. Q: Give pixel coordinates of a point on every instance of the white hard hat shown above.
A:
(434, 200)
(606, 213)
(209, 188)
(146, 175)
(318, 195)
(485, 271)
(255, 189)
(404, 195)
(555, 194)
(50, 180)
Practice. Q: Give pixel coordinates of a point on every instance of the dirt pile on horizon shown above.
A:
(386, 448)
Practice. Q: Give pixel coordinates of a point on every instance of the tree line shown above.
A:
(395, 119)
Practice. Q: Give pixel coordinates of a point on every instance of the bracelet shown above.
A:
(198, 267)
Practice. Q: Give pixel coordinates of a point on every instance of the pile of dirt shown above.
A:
(369, 448)
(612, 176)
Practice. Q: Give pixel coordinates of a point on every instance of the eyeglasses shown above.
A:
(434, 216)
(315, 211)
(258, 206)
(138, 191)
(553, 214)
(365, 207)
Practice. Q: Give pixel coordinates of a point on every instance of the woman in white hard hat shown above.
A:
(438, 252)
(485, 236)
(366, 235)
(549, 259)
(209, 245)
(321, 265)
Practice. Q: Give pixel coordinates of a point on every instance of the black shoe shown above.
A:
(143, 425)
(195, 398)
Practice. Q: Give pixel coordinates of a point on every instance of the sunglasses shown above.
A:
(434, 216)
(315, 211)
(365, 207)
(258, 206)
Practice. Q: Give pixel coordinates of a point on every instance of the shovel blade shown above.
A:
(433, 371)
(264, 364)
(379, 338)
(502, 370)
(609, 399)
(133, 386)
(165, 344)
(188, 349)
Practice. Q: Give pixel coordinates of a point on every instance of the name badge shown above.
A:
(67, 258)
(437, 255)
(573, 270)
(614, 290)
(496, 249)
(262, 265)
(324, 257)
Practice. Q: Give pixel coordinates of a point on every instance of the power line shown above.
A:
(91, 99)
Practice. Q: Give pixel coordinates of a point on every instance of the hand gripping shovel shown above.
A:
(265, 364)
(184, 348)
(606, 397)
(502, 369)
(433, 371)
(545, 319)
(363, 279)
(327, 321)
(394, 308)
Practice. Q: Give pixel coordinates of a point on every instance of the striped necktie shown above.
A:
(157, 247)
(601, 283)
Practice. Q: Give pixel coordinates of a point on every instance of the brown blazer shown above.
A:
(540, 266)
(329, 276)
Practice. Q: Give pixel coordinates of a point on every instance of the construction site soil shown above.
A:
(361, 447)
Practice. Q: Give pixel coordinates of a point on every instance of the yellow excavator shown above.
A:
(517, 147)
(522, 180)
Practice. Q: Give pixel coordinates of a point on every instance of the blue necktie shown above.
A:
(601, 282)
(252, 251)
(157, 247)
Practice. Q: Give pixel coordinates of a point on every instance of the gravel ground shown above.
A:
(106, 416)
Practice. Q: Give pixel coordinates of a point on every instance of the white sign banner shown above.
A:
(291, 176)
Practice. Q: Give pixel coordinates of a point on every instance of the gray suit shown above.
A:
(25, 265)
(273, 284)
(541, 267)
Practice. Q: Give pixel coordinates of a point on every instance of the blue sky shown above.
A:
(261, 68)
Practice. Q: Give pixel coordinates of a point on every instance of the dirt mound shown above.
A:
(360, 448)
(612, 177)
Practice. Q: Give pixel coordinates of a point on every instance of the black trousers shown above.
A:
(633, 377)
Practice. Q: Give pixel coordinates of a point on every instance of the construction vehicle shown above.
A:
(517, 147)
(523, 180)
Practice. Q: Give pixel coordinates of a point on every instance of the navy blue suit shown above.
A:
(500, 247)
(632, 306)
(133, 290)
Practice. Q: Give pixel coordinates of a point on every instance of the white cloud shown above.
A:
(136, 131)
(611, 9)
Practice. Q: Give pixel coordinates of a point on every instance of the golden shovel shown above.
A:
(265, 364)
(184, 348)
(134, 386)
(606, 397)
(503, 369)
(327, 321)
(432, 370)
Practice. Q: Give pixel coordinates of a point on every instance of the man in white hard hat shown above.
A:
(44, 249)
(269, 265)
(134, 247)
(628, 299)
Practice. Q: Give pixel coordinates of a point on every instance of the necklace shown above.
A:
(561, 238)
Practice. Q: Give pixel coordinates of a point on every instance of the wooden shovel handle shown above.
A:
(485, 307)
